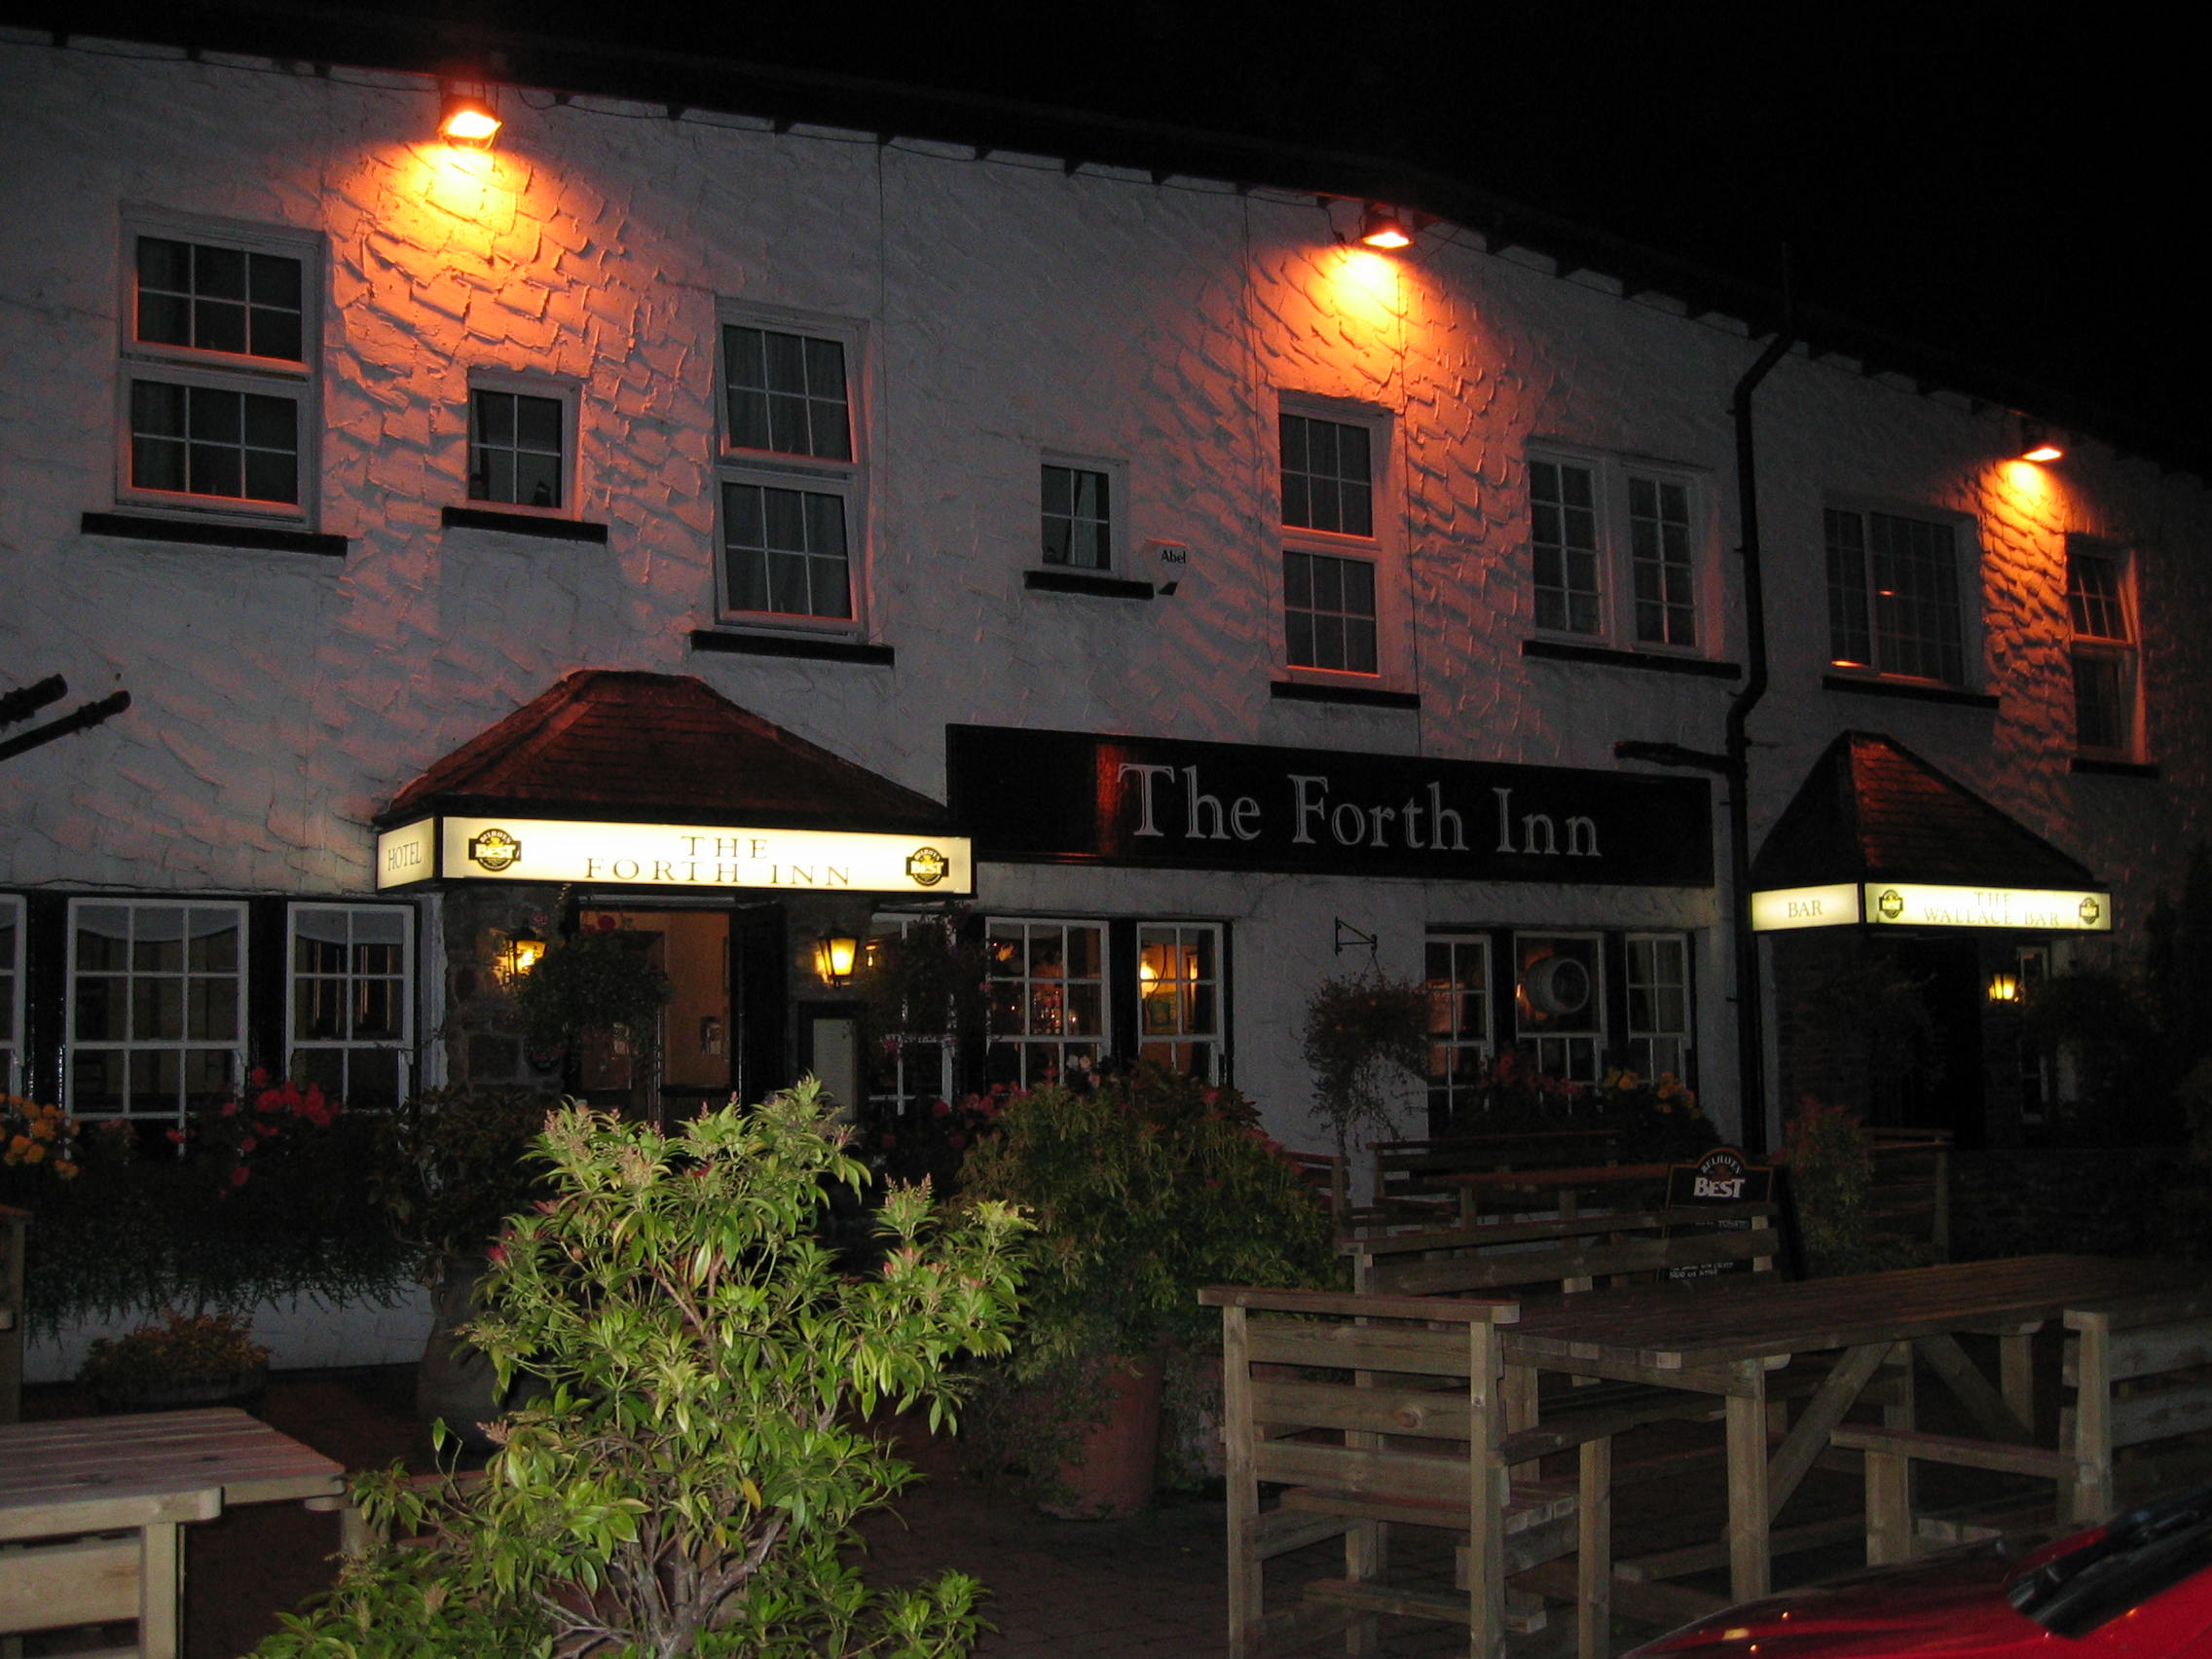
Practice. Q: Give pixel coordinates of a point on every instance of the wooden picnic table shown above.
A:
(1563, 1186)
(1725, 1339)
(144, 1474)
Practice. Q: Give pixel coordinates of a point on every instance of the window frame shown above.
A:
(1215, 1041)
(1100, 1042)
(1382, 549)
(1613, 477)
(402, 1045)
(1117, 476)
(2126, 651)
(776, 469)
(298, 383)
(558, 389)
(1967, 562)
(1598, 1037)
(13, 992)
(1447, 1039)
(1636, 1039)
(242, 1007)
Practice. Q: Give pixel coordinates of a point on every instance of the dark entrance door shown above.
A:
(1937, 1084)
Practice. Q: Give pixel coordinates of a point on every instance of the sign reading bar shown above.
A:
(1916, 905)
(671, 855)
(1052, 797)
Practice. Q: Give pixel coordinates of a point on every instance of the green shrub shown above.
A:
(690, 1476)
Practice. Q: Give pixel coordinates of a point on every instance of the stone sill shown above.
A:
(522, 524)
(1649, 662)
(198, 532)
(790, 646)
(1361, 696)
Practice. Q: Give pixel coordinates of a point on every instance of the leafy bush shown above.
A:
(603, 981)
(687, 1481)
(452, 1164)
(206, 1348)
(1830, 1168)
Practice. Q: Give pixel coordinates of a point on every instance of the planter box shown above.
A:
(300, 1333)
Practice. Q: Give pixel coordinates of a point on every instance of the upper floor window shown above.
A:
(1078, 519)
(520, 442)
(1335, 597)
(219, 374)
(1893, 595)
(2100, 603)
(791, 485)
(1617, 550)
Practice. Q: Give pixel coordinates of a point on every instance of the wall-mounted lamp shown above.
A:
(2004, 988)
(1385, 227)
(833, 957)
(2039, 443)
(517, 957)
(467, 119)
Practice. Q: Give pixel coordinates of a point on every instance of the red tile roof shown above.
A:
(621, 745)
(1871, 809)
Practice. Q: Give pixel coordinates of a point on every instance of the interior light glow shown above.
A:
(1385, 227)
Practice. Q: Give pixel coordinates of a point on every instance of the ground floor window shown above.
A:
(10, 994)
(1179, 997)
(350, 1011)
(1046, 987)
(1574, 1005)
(156, 1003)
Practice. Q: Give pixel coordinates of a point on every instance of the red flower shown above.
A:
(956, 1140)
(246, 1143)
(230, 1109)
(176, 1136)
(241, 1176)
(258, 1078)
(940, 1108)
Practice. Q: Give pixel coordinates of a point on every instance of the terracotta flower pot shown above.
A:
(1111, 1476)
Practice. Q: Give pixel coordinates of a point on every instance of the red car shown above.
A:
(2139, 1587)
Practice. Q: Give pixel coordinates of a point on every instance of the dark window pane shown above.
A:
(218, 325)
(219, 272)
(495, 418)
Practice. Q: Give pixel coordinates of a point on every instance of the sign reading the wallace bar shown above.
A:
(1074, 797)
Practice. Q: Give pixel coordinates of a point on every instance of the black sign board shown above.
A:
(1074, 797)
(1718, 1180)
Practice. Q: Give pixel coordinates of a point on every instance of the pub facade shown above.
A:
(759, 534)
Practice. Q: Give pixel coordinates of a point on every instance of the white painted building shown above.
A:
(336, 446)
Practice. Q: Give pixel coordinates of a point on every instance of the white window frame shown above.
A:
(1590, 1067)
(402, 1045)
(1101, 1042)
(12, 912)
(1638, 1038)
(846, 480)
(1117, 476)
(1382, 549)
(556, 389)
(1966, 552)
(233, 1047)
(1180, 1031)
(299, 384)
(2124, 650)
(1447, 1035)
(1613, 476)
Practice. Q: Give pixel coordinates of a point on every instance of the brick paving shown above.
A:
(1147, 1588)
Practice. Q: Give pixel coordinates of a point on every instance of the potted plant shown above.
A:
(451, 1166)
(600, 981)
(1142, 1190)
(689, 1481)
(1366, 1038)
(198, 1359)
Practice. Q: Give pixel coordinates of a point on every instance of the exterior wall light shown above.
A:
(467, 119)
(833, 957)
(523, 954)
(2037, 443)
(2004, 988)
(1385, 227)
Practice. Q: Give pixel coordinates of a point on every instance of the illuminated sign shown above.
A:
(671, 855)
(1805, 908)
(1917, 905)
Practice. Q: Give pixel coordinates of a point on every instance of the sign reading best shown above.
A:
(671, 855)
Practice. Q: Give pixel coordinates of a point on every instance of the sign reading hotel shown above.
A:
(671, 855)
(1919, 904)
(1072, 797)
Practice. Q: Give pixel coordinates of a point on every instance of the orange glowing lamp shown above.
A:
(467, 121)
(1384, 227)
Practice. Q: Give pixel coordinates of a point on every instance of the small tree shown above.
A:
(687, 1483)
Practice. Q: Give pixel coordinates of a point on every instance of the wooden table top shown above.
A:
(1696, 1323)
(206, 1458)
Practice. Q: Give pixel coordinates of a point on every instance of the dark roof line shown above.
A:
(319, 31)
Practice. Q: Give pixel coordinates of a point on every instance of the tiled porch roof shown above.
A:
(1870, 810)
(641, 748)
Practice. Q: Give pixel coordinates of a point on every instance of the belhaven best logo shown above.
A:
(494, 849)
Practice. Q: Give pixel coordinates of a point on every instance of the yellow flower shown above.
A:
(42, 1129)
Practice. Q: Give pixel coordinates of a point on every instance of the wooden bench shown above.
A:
(1908, 1201)
(13, 1225)
(1406, 1171)
(1563, 1254)
(1373, 1412)
(2140, 1373)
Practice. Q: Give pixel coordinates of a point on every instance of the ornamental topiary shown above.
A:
(690, 1473)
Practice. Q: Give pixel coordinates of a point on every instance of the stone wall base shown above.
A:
(301, 1333)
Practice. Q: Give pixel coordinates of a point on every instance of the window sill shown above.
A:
(1361, 696)
(790, 646)
(192, 532)
(2089, 767)
(1651, 662)
(1869, 686)
(522, 524)
(1081, 581)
